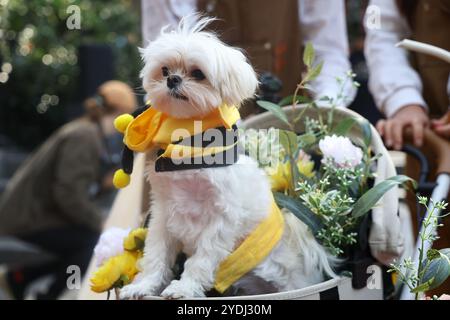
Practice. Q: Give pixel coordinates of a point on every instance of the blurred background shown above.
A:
(47, 70)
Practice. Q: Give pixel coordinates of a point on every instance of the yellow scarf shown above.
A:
(252, 251)
(154, 128)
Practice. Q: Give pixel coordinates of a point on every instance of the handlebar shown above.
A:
(439, 146)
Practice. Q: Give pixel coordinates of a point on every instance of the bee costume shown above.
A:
(190, 144)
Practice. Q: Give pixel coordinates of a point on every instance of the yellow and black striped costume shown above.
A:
(184, 143)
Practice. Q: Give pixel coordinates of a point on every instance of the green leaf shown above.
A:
(344, 126)
(308, 55)
(433, 254)
(314, 72)
(288, 100)
(369, 199)
(288, 140)
(438, 269)
(306, 139)
(366, 131)
(422, 287)
(274, 109)
(301, 211)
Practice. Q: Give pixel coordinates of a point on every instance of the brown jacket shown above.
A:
(268, 30)
(51, 188)
(430, 23)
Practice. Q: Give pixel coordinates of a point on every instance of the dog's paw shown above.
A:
(182, 289)
(137, 290)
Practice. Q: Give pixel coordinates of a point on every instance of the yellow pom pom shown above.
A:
(121, 179)
(121, 122)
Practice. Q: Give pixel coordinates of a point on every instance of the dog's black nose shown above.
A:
(173, 81)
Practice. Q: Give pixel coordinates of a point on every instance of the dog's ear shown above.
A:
(238, 80)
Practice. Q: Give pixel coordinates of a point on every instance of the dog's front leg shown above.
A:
(159, 256)
(199, 270)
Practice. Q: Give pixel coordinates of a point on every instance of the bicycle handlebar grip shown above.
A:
(440, 147)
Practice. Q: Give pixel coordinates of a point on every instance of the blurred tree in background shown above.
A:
(39, 54)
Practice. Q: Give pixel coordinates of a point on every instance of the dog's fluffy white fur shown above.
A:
(207, 212)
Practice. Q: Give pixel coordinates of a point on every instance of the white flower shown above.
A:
(110, 244)
(341, 151)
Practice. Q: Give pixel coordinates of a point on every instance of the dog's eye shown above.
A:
(165, 71)
(197, 74)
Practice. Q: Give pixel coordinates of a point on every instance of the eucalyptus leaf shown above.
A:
(274, 109)
(366, 131)
(288, 100)
(438, 269)
(422, 287)
(344, 126)
(433, 254)
(288, 140)
(306, 139)
(301, 211)
(308, 55)
(369, 199)
(314, 72)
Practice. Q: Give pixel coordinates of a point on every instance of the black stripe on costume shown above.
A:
(128, 154)
(207, 138)
(223, 159)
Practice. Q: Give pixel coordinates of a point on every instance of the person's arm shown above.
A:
(393, 81)
(76, 169)
(323, 24)
(394, 84)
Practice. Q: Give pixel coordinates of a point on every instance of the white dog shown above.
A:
(207, 212)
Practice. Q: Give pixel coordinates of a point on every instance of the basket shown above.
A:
(334, 289)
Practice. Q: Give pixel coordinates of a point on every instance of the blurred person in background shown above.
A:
(272, 33)
(48, 202)
(411, 89)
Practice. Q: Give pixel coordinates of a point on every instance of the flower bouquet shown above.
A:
(325, 164)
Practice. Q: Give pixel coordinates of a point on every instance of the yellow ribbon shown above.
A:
(153, 127)
(254, 249)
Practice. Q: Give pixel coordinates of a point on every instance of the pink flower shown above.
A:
(341, 151)
(110, 244)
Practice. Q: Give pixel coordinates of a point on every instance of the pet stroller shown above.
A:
(380, 236)
(439, 190)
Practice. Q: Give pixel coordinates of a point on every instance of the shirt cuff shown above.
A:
(401, 98)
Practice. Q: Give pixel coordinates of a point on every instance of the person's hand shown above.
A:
(413, 116)
(442, 126)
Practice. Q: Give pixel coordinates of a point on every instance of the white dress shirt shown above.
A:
(322, 23)
(394, 83)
